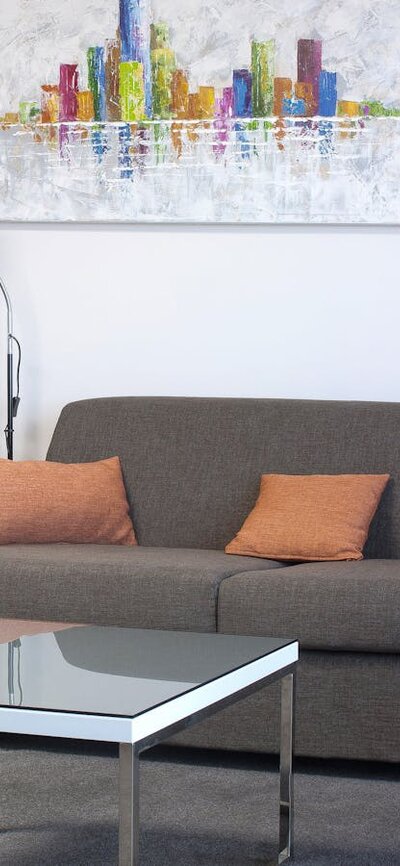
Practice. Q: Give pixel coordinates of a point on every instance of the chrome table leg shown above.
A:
(129, 788)
(128, 805)
(286, 771)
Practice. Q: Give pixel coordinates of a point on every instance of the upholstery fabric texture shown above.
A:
(327, 606)
(310, 517)
(116, 585)
(192, 466)
(44, 502)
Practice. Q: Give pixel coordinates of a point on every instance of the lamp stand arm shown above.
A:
(9, 430)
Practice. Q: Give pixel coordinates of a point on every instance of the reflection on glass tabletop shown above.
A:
(114, 671)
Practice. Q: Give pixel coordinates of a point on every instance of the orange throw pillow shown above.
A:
(79, 503)
(310, 518)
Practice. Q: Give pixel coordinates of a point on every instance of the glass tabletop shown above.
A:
(114, 671)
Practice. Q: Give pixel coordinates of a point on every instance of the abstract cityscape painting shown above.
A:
(203, 111)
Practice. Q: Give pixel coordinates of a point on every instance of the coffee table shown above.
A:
(137, 687)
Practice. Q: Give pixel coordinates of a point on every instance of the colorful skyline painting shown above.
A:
(255, 111)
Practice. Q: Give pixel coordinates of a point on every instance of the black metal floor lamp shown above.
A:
(12, 409)
(12, 400)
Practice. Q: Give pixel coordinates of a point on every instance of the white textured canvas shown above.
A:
(230, 163)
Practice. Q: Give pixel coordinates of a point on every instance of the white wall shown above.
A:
(241, 311)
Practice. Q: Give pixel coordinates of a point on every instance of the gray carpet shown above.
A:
(58, 807)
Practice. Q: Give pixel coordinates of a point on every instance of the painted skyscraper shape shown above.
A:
(113, 60)
(327, 93)
(135, 41)
(69, 79)
(162, 69)
(242, 93)
(262, 69)
(309, 66)
(97, 81)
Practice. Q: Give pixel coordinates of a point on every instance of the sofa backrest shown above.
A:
(192, 466)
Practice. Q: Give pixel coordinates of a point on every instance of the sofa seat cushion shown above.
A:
(129, 586)
(327, 606)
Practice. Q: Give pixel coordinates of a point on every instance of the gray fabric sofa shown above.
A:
(192, 470)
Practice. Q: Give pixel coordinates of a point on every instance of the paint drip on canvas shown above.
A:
(257, 111)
